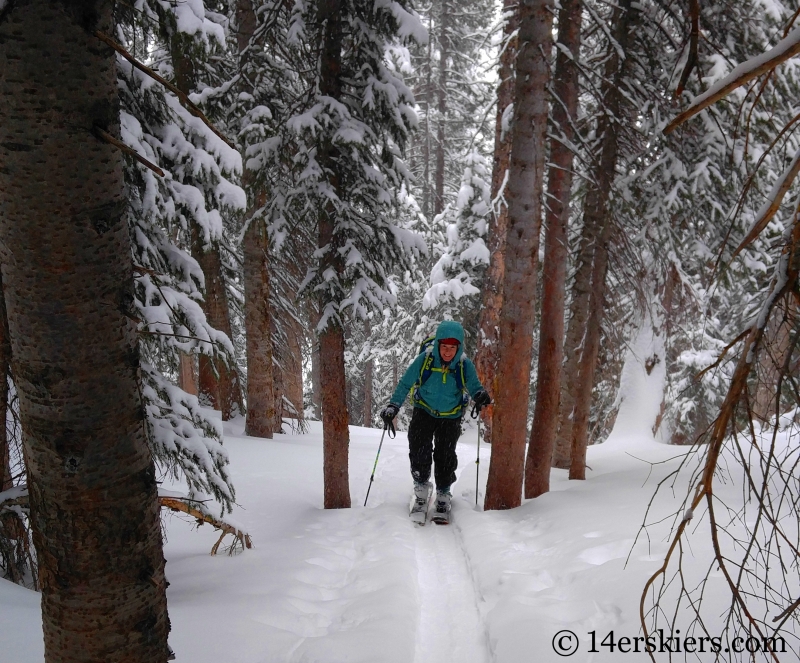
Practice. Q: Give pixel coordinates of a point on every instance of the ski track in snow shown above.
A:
(450, 625)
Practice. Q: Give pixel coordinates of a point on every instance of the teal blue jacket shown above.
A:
(439, 396)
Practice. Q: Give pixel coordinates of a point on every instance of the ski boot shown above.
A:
(420, 502)
(441, 513)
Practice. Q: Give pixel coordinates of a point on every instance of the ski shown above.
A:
(419, 509)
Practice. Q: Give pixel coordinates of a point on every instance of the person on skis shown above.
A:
(440, 381)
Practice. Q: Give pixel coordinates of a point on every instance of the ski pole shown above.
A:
(386, 426)
(476, 414)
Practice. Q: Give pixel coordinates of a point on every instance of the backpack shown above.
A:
(426, 370)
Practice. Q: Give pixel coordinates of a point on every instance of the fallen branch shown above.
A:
(184, 506)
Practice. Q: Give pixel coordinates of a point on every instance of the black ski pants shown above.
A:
(422, 432)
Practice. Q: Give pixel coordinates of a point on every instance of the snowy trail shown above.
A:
(450, 625)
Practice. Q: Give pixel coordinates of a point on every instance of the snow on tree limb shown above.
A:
(774, 200)
(741, 75)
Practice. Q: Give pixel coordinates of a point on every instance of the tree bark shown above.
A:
(316, 382)
(6, 481)
(68, 280)
(335, 433)
(187, 376)
(554, 273)
(256, 269)
(294, 369)
(218, 382)
(257, 321)
(492, 297)
(525, 188)
(591, 348)
(598, 226)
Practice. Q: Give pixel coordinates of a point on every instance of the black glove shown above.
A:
(481, 398)
(389, 413)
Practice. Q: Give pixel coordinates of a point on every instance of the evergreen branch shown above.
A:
(741, 75)
(184, 98)
(722, 354)
(108, 138)
(769, 210)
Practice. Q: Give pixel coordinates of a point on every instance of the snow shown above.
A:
(366, 585)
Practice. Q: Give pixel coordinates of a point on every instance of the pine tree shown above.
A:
(525, 203)
(75, 355)
(559, 190)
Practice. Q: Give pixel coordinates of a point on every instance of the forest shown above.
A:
(233, 219)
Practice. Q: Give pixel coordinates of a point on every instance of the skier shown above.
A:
(439, 380)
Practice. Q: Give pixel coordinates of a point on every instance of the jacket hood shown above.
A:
(449, 329)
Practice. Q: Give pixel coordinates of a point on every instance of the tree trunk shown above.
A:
(68, 281)
(257, 321)
(335, 433)
(256, 267)
(294, 368)
(492, 296)
(316, 382)
(591, 348)
(187, 376)
(441, 99)
(368, 381)
(279, 360)
(598, 226)
(554, 273)
(6, 481)
(525, 189)
(771, 363)
(218, 384)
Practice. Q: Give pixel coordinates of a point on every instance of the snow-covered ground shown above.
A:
(366, 585)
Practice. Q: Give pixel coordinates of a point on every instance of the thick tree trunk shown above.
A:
(335, 433)
(260, 396)
(441, 103)
(492, 296)
(551, 335)
(598, 227)
(68, 280)
(525, 193)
